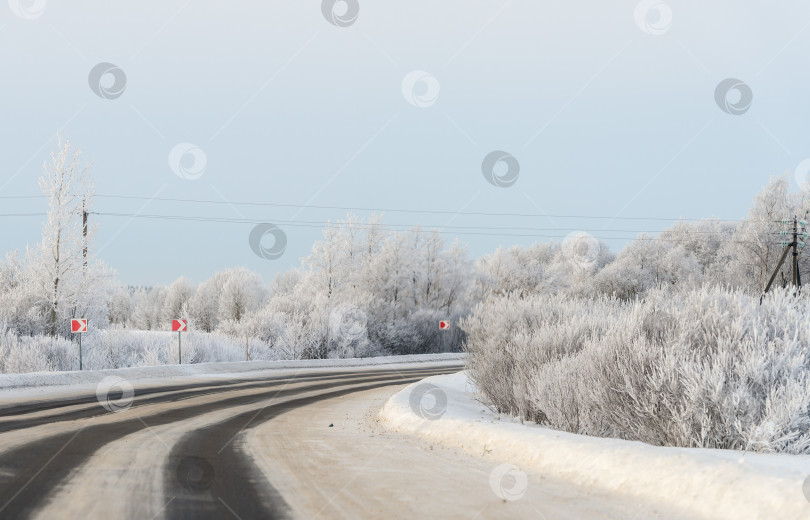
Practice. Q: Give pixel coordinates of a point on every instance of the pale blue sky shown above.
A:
(604, 118)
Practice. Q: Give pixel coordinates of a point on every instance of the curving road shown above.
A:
(179, 450)
(305, 444)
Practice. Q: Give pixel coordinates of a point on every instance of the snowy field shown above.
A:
(716, 484)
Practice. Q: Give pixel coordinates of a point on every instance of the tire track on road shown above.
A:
(37, 468)
(229, 482)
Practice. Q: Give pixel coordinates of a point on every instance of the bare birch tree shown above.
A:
(59, 265)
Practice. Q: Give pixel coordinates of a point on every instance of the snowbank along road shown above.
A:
(174, 450)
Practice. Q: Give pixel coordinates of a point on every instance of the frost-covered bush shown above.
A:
(122, 348)
(294, 326)
(706, 368)
(36, 353)
(511, 338)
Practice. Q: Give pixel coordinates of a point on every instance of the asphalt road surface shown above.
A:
(302, 444)
(176, 452)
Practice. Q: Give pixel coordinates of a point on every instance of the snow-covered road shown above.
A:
(303, 443)
(177, 450)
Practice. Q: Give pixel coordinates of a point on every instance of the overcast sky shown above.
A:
(608, 108)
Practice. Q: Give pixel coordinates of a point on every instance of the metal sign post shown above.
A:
(179, 326)
(444, 326)
(79, 326)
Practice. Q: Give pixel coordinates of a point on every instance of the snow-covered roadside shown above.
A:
(39, 383)
(716, 484)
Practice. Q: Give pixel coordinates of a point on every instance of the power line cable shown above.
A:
(398, 210)
(395, 225)
(402, 210)
(320, 225)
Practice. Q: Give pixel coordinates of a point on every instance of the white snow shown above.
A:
(716, 484)
(59, 383)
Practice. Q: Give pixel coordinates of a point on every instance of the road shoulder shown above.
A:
(696, 483)
(357, 468)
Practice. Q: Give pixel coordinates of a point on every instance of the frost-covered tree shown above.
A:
(11, 272)
(386, 273)
(286, 281)
(331, 257)
(147, 308)
(203, 306)
(544, 268)
(518, 270)
(704, 239)
(62, 278)
(753, 249)
(228, 295)
(648, 264)
(20, 305)
(242, 293)
(120, 306)
(177, 297)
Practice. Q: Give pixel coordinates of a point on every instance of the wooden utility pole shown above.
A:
(795, 244)
(84, 233)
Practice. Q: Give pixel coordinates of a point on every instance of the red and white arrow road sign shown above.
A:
(179, 325)
(78, 326)
(444, 325)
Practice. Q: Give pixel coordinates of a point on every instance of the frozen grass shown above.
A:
(708, 368)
